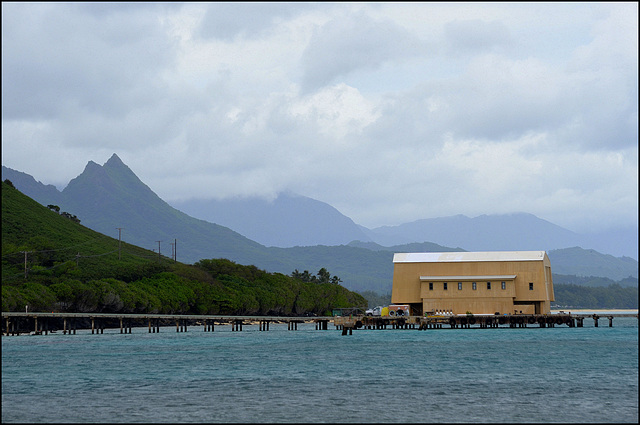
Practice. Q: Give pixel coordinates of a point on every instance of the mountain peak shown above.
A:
(119, 171)
(114, 161)
(92, 168)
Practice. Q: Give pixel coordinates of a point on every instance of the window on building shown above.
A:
(531, 286)
(431, 286)
(445, 286)
(504, 285)
(459, 286)
(473, 285)
(488, 285)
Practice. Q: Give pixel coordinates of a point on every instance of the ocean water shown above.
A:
(503, 375)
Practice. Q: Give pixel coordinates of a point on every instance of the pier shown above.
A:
(462, 321)
(15, 323)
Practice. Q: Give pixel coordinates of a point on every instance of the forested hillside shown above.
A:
(613, 296)
(51, 262)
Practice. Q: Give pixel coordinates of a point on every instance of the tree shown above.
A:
(70, 217)
(54, 208)
(324, 276)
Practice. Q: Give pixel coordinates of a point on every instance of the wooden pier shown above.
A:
(14, 323)
(348, 324)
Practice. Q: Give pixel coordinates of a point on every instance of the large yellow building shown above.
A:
(478, 282)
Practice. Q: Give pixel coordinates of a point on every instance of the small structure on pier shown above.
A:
(503, 282)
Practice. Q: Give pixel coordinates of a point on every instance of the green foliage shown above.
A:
(259, 292)
(612, 297)
(38, 297)
(323, 276)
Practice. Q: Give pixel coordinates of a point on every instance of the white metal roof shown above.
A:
(445, 257)
(471, 277)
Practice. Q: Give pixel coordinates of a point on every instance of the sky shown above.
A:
(389, 112)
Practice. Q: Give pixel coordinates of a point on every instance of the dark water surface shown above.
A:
(504, 375)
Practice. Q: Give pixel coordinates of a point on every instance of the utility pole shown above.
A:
(25, 264)
(158, 250)
(119, 239)
(172, 250)
(175, 254)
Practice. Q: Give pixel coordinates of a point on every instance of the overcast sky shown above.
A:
(390, 112)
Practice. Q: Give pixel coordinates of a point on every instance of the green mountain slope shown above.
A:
(50, 239)
(111, 196)
(70, 267)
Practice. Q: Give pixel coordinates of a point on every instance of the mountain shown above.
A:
(45, 194)
(503, 232)
(73, 268)
(293, 220)
(567, 261)
(620, 242)
(111, 196)
(589, 262)
(507, 232)
(287, 221)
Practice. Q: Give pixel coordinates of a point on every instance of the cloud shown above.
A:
(62, 59)
(476, 35)
(352, 43)
(227, 20)
(389, 112)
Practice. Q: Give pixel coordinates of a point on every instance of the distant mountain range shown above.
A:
(506, 232)
(111, 196)
(294, 220)
(287, 221)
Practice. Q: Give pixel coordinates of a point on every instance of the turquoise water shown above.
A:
(535, 374)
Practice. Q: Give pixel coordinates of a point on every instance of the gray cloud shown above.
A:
(61, 59)
(227, 20)
(389, 112)
(355, 42)
(476, 35)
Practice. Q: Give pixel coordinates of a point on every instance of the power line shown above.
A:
(174, 250)
(158, 250)
(53, 250)
(119, 240)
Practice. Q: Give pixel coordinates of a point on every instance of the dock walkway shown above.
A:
(469, 320)
(15, 323)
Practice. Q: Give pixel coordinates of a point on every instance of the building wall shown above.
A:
(467, 299)
(517, 296)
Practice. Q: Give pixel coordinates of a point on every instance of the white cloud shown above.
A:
(390, 112)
